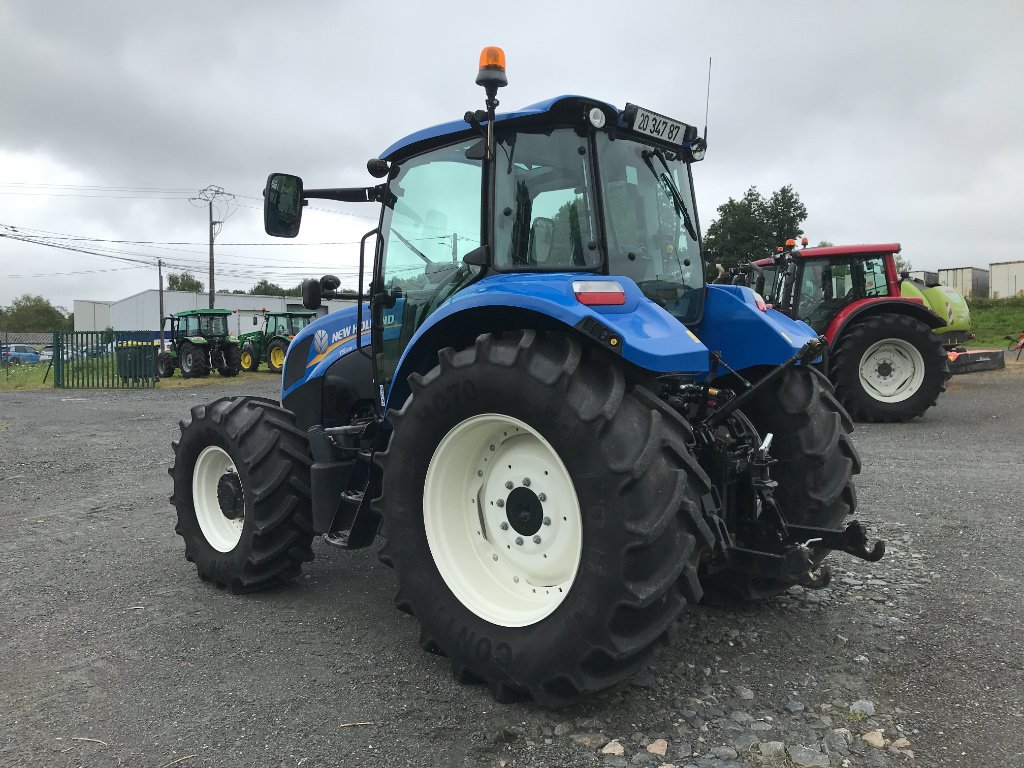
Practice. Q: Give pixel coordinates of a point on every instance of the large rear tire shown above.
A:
(543, 516)
(889, 368)
(816, 462)
(241, 491)
(194, 361)
(232, 360)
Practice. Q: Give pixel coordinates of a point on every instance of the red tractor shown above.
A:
(884, 360)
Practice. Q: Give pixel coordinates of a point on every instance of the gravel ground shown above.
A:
(113, 652)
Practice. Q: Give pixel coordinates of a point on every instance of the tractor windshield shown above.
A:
(649, 223)
(213, 325)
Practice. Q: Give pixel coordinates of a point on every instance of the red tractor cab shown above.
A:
(884, 360)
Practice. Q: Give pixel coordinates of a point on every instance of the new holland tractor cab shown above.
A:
(562, 435)
(885, 361)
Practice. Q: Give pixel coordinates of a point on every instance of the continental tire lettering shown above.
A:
(453, 394)
(503, 654)
(483, 649)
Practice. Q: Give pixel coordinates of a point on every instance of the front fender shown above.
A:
(639, 330)
(858, 310)
(746, 335)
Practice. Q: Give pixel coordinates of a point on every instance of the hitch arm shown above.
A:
(807, 352)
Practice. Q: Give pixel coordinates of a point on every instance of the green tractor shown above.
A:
(270, 343)
(200, 341)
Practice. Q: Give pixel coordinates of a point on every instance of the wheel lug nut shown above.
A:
(494, 558)
(508, 484)
(547, 521)
(542, 497)
(499, 503)
(526, 482)
(504, 526)
(519, 540)
(479, 473)
(536, 539)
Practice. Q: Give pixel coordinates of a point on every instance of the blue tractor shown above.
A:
(560, 433)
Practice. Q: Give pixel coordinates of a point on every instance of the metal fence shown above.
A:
(104, 359)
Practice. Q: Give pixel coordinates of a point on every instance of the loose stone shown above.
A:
(873, 739)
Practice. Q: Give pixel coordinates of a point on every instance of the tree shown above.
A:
(184, 281)
(825, 244)
(266, 288)
(903, 265)
(34, 314)
(750, 228)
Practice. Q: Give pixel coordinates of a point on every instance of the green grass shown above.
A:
(992, 319)
(24, 377)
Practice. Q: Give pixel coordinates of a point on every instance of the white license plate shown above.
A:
(657, 125)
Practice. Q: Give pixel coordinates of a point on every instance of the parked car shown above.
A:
(16, 354)
(46, 354)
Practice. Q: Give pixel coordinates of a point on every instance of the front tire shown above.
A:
(164, 365)
(249, 360)
(241, 492)
(194, 360)
(889, 368)
(277, 350)
(566, 595)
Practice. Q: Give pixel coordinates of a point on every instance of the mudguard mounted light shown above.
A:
(596, 293)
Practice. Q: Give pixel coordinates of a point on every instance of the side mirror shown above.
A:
(282, 205)
(255, 320)
(311, 294)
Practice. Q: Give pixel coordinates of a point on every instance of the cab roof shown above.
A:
(440, 134)
(836, 250)
(188, 312)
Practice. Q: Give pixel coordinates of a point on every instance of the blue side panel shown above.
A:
(651, 337)
(333, 336)
(744, 335)
(457, 126)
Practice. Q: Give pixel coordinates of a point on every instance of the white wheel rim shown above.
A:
(509, 577)
(221, 532)
(891, 370)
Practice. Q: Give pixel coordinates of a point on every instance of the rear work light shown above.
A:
(596, 293)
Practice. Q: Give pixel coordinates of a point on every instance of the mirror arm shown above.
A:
(345, 194)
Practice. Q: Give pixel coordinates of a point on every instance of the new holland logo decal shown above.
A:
(320, 341)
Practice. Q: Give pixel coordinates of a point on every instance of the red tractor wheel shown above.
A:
(888, 368)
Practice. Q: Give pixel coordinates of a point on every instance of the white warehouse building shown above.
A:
(141, 312)
(1007, 279)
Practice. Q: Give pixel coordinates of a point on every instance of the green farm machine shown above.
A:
(270, 343)
(199, 342)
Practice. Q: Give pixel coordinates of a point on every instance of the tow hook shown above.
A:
(853, 540)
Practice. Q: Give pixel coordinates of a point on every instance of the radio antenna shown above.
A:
(707, 102)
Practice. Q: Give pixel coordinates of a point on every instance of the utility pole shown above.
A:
(213, 287)
(211, 195)
(160, 277)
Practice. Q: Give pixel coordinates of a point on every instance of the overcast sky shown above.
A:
(894, 121)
